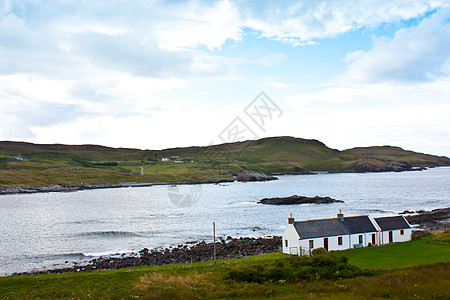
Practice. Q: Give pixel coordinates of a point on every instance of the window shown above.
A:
(402, 232)
(340, 240)
(286, 243)
(311, 244)
(360, 239)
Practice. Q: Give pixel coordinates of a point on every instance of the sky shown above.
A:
(162, 74)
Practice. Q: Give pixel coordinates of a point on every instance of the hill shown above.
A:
(38, 165)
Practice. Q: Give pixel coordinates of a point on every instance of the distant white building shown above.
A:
(342, 233)
(165, 159)
(177, 161)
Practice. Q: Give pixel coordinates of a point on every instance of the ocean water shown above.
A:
(52, 230)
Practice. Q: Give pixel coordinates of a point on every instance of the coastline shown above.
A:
(245, 177)
(229, 248)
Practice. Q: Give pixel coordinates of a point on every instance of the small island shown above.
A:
(294, 199)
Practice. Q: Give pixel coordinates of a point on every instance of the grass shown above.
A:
(428, 249)
(64, 164)
(203, 280)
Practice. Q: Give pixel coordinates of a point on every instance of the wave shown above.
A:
(111, 233)
(57, 256)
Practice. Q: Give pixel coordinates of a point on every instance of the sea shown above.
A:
(55, 230)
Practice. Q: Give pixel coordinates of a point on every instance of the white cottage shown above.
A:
(342, 233)
(393, 229)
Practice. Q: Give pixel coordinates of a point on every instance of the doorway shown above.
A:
(391, 239)
(325, 243)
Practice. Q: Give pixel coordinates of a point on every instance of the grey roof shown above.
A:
(333, 227)
(392, 223)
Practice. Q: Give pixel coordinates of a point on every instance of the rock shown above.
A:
(435, 219)
(298, 200)
(254, 176)
(378, 165)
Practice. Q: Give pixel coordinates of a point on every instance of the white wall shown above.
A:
(290, 234)
(396, 236)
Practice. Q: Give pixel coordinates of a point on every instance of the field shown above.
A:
(273, 275)
(25, 164)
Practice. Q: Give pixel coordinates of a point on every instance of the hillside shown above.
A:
(26, 164)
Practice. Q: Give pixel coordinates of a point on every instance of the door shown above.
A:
(373, 238)
(325, 243)
(391, 240)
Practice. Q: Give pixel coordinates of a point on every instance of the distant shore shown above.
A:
(244, 177)
(55, 188)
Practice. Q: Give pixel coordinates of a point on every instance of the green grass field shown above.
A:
(396, 280)
(430, 249)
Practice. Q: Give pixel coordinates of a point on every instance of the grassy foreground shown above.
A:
(273, 275)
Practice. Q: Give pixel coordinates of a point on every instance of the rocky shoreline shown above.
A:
(202, 251)
(436, 219)
(228, 248)
(294, 199)
(244, 177)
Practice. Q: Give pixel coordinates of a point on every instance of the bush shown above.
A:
(319, 251)
(296, 268)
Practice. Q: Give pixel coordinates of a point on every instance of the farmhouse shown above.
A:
(341, 233)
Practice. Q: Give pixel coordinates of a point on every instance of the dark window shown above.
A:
(340, 240)
(360, 239)
(402, 232)
(286, 242)
(311, 244)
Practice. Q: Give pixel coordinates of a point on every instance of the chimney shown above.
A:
(340, 216)
(291, 220)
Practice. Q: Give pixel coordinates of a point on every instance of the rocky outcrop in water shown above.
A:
(298, 200)
(254, 176)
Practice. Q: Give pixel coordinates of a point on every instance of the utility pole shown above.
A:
(214, 234)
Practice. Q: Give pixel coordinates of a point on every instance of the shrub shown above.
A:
(319, 251)
(296, 268)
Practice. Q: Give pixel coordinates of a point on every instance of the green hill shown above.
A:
(26, 164)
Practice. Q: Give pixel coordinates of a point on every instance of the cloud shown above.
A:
(197, 23)
(301, 22)
(414, 54)
(414, 117)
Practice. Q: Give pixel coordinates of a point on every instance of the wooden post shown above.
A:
(214, 234)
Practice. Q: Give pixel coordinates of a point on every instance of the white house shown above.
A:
(341, 233)
(393, 229)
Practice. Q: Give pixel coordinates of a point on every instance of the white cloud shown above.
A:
(194, 24)
(300, 22)
(418, 53)
(414, 117)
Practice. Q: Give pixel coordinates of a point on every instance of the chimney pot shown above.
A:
(291, 220)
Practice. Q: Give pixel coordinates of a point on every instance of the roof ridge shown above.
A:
(331, 218)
